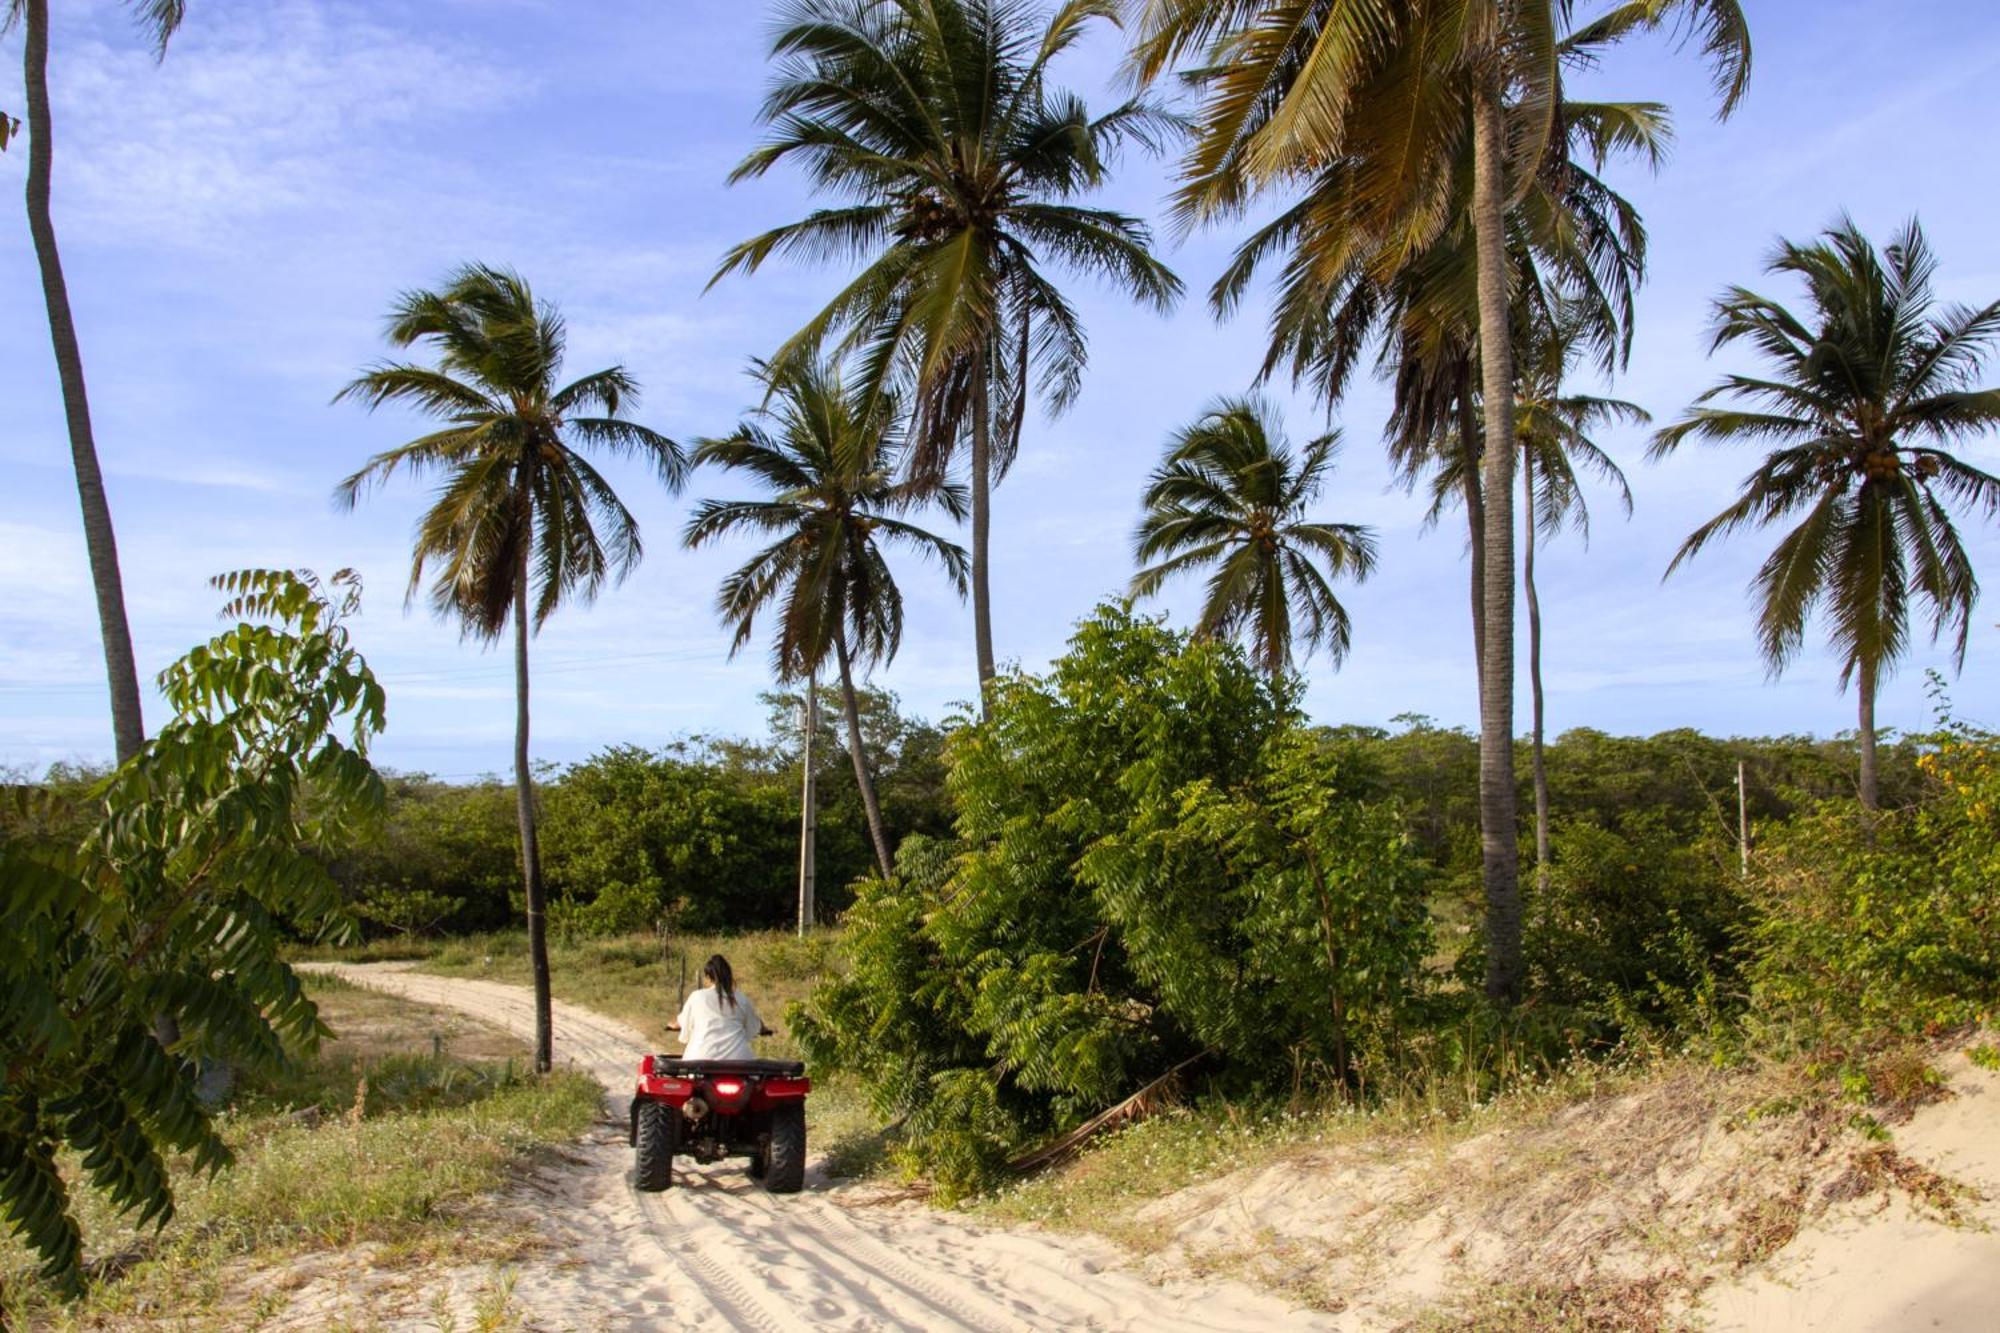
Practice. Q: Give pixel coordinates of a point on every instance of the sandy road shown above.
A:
(717, 1252)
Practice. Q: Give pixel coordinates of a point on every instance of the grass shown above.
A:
(391, 1137)
(1641, 1305)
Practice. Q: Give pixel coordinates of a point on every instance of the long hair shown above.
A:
(716, 969)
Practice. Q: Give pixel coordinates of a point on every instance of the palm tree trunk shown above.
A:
(1498, 834)
(1475, 522)
(1535, 668)
(128, 727)
(982, 528)
(1870, 795)
(869, 803)
(808, 808)
(531, 850)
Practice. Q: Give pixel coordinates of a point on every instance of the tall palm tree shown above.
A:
(1864, 398)
(1574, 241)
(160, 19)
(1554, 433)
(1231, 495)
(522, 522)
(1426, 106)
(828, 455)
(955, 162)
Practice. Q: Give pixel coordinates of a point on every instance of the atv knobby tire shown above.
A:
(785, 1160)
(658, 1136)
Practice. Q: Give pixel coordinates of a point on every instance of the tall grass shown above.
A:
(387, 1144)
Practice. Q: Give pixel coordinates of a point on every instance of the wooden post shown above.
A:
(1742, 821)
(808, 813)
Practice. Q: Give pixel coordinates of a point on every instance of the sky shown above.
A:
(237, 218)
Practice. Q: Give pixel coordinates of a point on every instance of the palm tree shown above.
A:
(828, 455)
(161, 18)
(1864, 399)
(1231, 495)
(522, 521)
(955, 162)
(1554, 432)
(1424, 106)
(1575, 242)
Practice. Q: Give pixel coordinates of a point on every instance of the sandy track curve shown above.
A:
(717, 1252)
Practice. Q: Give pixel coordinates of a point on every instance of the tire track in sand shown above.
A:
(733, 1257)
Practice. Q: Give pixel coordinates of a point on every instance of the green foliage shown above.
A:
(1154, 865)
(1887, 925)
(166, 915)
(1637, 918)
(631, 835)
(701, 831)
(438, 842)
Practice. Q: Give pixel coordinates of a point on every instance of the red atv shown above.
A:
(711, 1109)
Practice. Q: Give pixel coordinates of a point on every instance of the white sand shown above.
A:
(717, 1252)
(1882, 1264)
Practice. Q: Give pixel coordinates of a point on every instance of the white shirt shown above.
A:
(715, 1030)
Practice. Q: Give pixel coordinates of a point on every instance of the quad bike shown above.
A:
(711, 1109)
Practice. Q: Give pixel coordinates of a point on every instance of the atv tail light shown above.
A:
(728, 1087)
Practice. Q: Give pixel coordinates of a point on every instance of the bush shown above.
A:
(1875, 926)
(1635, 921)
(1156, 864)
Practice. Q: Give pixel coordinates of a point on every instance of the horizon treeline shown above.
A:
(701, 831)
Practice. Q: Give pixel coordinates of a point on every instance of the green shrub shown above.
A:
(1156, 863)
(1639, 922)
(1882, 925)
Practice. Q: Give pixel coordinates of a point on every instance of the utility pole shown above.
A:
(1742, 821)
(808, 813)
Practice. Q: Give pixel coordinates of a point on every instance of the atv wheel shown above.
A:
(785, 1159)
(659, 1134)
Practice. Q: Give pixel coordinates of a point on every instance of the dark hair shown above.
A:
(716, 969)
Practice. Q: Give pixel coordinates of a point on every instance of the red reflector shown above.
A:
(646, 1067)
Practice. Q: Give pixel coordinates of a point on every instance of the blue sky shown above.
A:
(237, 219)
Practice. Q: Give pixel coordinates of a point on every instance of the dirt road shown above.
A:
(716, 1252)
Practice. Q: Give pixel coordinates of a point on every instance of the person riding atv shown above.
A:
(715, 1022)
(715, 1099)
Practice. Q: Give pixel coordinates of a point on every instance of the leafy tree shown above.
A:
(437, 843)
(160, 19)
(957, 163)
(515, 527)
(635, 835)
(828, 454)
(1865, 399)
(1154, 865)
(1231, 495)
(174, 905)
(1422, 106)
(1883, 924)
